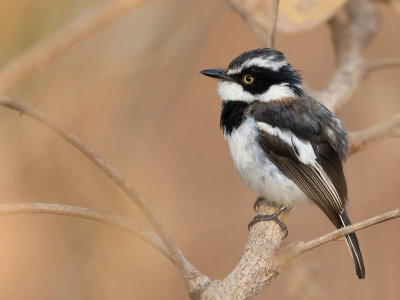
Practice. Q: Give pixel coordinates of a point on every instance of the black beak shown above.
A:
(216, 73)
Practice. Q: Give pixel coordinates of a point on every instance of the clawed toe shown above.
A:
(273, 217)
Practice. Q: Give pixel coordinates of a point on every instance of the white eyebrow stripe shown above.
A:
(260, 62)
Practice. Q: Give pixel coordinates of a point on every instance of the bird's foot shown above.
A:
(273, 217)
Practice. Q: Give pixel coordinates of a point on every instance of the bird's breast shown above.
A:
(256, 170)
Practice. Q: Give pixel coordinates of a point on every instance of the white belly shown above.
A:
(257, 171)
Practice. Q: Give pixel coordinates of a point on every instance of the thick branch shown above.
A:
(360, 139)
(349, 39)
(175, 254)
(86, 213)
(40, 55)
(257, 266)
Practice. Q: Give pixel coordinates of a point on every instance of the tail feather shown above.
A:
(352, 243)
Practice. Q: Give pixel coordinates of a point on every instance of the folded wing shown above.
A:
(313, 166)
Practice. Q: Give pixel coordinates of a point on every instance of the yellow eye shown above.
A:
(247, 79)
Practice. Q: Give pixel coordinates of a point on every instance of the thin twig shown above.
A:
(86, 213)
(384, 63)
(42, 54)
(261, 16)
(360, 139)
(175, 254)
(275, 22)
(302, 247)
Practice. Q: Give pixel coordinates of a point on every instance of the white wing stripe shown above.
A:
(306, 155)
(303, 149)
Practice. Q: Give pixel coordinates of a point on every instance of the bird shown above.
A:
(287, 147)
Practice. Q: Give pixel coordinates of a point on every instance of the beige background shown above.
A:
(134, 94)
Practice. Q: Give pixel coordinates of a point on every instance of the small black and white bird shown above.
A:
(287, 147)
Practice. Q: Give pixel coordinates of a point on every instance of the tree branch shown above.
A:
(362, 138)
(302, 247)
(261, 262)
(349, 39)
(257, 267)
(383, 63)
(274, 23)
(261, 16)
(176, 256)
(86, 213)
(43, 53)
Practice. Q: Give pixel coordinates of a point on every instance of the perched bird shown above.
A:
(287, 147)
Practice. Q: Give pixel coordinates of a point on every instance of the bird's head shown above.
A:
(257, 75)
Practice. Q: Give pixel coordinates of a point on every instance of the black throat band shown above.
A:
(232, 115)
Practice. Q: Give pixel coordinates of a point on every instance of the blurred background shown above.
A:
(133, 92)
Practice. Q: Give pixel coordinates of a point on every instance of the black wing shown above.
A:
(306, 118)
(305, 150)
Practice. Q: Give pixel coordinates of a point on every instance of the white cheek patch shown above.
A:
(232, 91)
(302, 148)
(260, 62)
(276, 92)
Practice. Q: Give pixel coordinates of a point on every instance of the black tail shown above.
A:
(354, 248)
